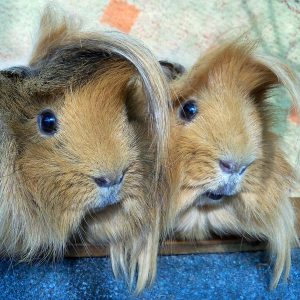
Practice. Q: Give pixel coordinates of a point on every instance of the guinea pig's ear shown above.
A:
(172, 70)
(11, 80)
(270, 73)
(256, 74)
(16, 73)
(54, 29)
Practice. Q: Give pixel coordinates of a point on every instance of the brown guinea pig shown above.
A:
(228, 174)
(68, 150)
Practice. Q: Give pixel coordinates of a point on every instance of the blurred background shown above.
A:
(179, 31)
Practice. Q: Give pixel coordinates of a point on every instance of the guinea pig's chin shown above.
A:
(106, 197)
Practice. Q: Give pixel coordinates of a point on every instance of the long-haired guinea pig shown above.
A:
(69, 152)
(228, 173)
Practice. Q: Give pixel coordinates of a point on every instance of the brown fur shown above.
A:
(231, 85)
(46, 185)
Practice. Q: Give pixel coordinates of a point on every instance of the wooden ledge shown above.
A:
(230, 244)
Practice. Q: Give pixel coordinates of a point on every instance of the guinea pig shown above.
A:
(227, 172)
(70, 155)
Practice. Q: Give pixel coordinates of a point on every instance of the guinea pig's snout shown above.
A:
(229, 181)
(109, 180)
(233, 167)
(109, 188)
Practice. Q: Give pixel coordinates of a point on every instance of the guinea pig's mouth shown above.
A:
(209, 198)
(218, 195)
(213, 196)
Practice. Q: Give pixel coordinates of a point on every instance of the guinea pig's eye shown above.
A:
(47, 122)
(188, 110)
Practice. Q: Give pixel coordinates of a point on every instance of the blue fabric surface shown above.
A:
(207, 276)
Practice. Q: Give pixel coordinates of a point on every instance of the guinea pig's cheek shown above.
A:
(188, 199)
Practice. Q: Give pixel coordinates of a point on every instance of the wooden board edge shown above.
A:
(186, 247)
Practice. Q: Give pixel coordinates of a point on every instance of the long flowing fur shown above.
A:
(230, 85)
(46, 191)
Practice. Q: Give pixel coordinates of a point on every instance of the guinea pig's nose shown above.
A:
(232, 167)
(109, 180)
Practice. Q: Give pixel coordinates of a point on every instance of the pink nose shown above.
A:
(232, 167)
(109, 181)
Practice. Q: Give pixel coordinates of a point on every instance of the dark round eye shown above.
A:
(47, 122)
(188, 110)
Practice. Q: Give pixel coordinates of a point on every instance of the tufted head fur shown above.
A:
(228, 173)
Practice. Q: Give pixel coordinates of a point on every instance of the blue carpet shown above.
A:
(208, 276)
